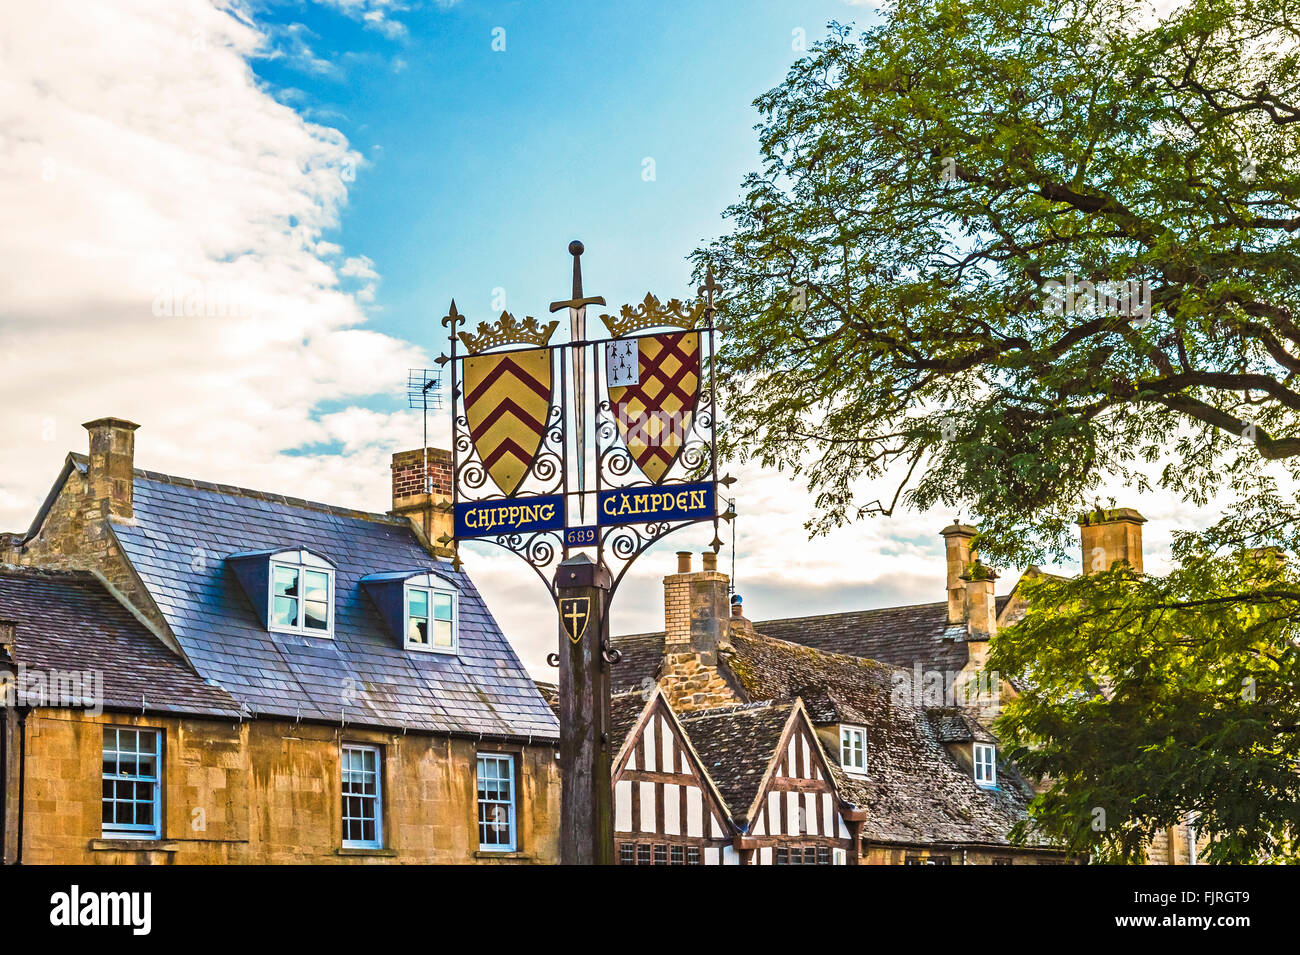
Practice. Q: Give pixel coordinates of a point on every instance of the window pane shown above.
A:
(442, 636)
(442, 606)
(317, 586)
(285, 613)
(285, 582)
(417, 603)
(315, 615)
(417, 631)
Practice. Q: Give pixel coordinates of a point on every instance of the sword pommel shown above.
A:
(576, 249)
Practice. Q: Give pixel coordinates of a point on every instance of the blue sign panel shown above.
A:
(587, 536)
(515, 515)
(642, 505)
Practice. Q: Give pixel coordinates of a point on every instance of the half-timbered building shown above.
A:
(823, 755)
(732, 785)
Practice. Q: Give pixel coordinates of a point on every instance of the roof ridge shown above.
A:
(733, 708)
(237, 491)
(834, 655)
(23, 570)
(850, 613)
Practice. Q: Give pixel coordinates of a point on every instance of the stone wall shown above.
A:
(265, 791)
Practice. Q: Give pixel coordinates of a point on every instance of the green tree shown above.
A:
(1148, 698)
(898, 308)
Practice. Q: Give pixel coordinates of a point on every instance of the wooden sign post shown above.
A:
(514, 397)
(586, 800)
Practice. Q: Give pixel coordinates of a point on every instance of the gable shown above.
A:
(798, 798)
(660, 787)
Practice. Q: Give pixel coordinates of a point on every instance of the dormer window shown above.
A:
(419, 607)
(300, 599)
(430, 616)
(986, 764)
(292, 590)
(853, 749)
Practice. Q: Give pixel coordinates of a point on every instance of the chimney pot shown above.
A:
(1112, 535)
(110, 475)
(710, 560)
(683, 562)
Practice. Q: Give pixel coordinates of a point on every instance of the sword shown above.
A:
(577, 306)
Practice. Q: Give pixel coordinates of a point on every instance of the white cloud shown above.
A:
(375, 14)
(166, 260)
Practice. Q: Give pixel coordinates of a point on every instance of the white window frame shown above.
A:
(985, 757)
(847, 732)
(119, 830)
(430, 584)
(377, 799)
(509, 760)
(300, 561)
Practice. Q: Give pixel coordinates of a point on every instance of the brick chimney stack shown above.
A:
(110, 477)
(697, 621)
(420, 495)
(956, 540)
(1109, 536)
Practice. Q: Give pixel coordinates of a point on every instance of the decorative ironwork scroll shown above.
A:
(514, 396)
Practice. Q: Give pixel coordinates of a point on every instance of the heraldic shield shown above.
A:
(507, 401)
(654, 414)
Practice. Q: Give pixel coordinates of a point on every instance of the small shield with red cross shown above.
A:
(654, 411)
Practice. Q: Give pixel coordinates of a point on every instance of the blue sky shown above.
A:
(481, 164)
(341, 169)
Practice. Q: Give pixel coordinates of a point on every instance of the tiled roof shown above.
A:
(639, 666)
(914, 790)
(902, 636)
(954, 725)
(67, 621)
(182, 533)
(736, 744)
(624, 710)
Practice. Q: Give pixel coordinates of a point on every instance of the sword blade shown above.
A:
(578, 333)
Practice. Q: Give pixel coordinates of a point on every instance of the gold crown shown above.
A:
(651, 313)
(507, 330)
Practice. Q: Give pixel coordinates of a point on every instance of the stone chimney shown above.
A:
(956, 540)
(1110, 536)
(422, 493)
(110, 477)
(696, 627)
(981, 606)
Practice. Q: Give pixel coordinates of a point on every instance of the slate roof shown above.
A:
(639, 666)
(67, 621)
(624, 710)
(914, 790)
(181, 534)
(901, 636)
(736, 743)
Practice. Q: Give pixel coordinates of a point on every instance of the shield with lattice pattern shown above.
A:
(654, 414)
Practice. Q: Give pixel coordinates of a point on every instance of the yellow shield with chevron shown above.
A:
(654, 411)
(507, 401)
